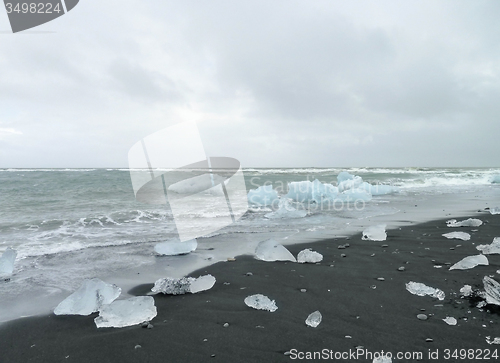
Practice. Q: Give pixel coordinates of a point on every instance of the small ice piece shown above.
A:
(495, 210)
(471, 222)
(308, 256)
(314, 319)
(175, 247)
(382, 359)
(491, 249)
(417, 288)
(470, 262)
(271, 250)
(450, 320)
(458, 235)
(263, 196)
(492, 290)
(89, 298)
(261, 302)
(466, 290)
(285, 210)
(121, 313)
(375, 233)
(494, 341)
(379, 189)
(184, 285)
(7, 262)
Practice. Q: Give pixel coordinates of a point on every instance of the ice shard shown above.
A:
(121, 313)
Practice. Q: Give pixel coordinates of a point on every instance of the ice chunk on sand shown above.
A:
(175, 247)
(458, 235)
(7, 262)
(471, 222)
(466, 290)
(495, 178)
(491, 249)
(495, 210)
(89, 298)
(417, 288)
(470, 262)
(375, 233)
(382, 359)
(271, 250)
(286, 211)
(379, 189)
(121, 313)
(308, 256)
(261, 302)
(354, 195)
(184, 285)
(314, 319)
(450, 320)
(494, 341)
(492, 290)
(262, 196)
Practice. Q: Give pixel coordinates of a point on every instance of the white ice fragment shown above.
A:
(308, 256)
(470, 262)
(7, 262)
(183, 285)
(458, 235)
(314, 319)
(379, 189)
(175, 247)
(382, 359)
(495, 210)
(375, 233)
(262, 196)
(492, 290)
(261, 302)
(89, 298)
(491, 249)
(471, 222)
(271, 250)
(466, 290)
(494, 341)
(417, 288)
(121, 313)
(285, 210)
(450, 320)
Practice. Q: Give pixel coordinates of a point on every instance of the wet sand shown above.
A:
(359, 311)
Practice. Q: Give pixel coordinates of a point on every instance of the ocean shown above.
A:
(70, 224)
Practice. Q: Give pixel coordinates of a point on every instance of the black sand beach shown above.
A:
(358, 310)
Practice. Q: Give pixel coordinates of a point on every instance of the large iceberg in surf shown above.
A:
(471, 222)
(121, 313)
(491, 249)
(470, 262)
(7, 262)
(271, 250)
(375, 233)
(184, 285)
(354, 195)
(495, 178)
(286, 210)
(89, 298)
(307, 191)
(351, 183)
(175, 247)
(263, 196)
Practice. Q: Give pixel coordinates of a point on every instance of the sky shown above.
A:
(270, 83)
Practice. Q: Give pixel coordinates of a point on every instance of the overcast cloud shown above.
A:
(271, 83)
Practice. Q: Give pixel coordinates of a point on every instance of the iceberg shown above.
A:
(353, 183)
(458, 235)
(184, 285)
(375, 233)
(307, 191)
(314, 319)
(470, 262)
(492, 290)
(417, 288)
(121, 313)
(495, 179)
(7, 262)
(89, 298)
(271, 250)
(323, 191)
(285, 210)
(495, 210)
(471, 222)
(175, 247)
(261, 302)
(263, 196)
(308, 256)
(379, 189)
(343, 176)
(491, 249)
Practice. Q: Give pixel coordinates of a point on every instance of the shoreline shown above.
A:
(381, 318)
